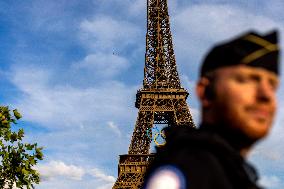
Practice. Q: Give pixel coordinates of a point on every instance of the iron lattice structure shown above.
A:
(162, 100)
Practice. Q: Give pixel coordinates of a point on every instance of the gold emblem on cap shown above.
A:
(267, 48)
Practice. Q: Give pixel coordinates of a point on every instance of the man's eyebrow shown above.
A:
(274, 81)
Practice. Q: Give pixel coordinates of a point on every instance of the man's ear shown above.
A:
(204, 91)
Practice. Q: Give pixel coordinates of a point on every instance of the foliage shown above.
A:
(17, 158)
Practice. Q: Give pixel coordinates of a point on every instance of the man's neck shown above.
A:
(239, 142)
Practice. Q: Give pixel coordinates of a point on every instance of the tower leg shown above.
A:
(140, 142)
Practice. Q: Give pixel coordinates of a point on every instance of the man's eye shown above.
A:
(273, 84)
(241, 79)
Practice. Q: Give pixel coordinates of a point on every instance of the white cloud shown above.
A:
(56, 17)
(55, 169)
(222, 21)
(197, 27)
(68, 106)
(106, 33)
(103, 65)
(114, 128)
(274, 8)
(99, 174)
(268, 155)
(137, 7)
(57, 174)
(75, 117)
(107, 186)
(192, 99)
(272, 182)
(30, 79)
(71, 184)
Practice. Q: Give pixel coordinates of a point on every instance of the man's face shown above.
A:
(245, 99)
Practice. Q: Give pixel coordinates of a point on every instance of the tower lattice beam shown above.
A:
(160, 64)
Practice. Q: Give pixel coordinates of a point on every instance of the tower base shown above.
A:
(131, 170)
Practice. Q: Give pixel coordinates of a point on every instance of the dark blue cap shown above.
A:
(251, 49)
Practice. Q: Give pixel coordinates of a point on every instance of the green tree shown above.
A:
(17, 158)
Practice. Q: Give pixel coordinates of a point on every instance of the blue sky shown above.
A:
(73, 68)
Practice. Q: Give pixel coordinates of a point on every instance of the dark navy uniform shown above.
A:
(205, 159)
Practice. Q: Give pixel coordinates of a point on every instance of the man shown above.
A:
(236, 89)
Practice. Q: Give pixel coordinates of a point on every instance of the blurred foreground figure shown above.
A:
(236, 89)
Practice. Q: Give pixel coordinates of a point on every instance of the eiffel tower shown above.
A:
(161, 101)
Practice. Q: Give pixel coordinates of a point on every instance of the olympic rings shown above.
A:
(158, 133)
(148, 133)
(162, 134)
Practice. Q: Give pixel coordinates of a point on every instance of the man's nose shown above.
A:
(265, 92)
